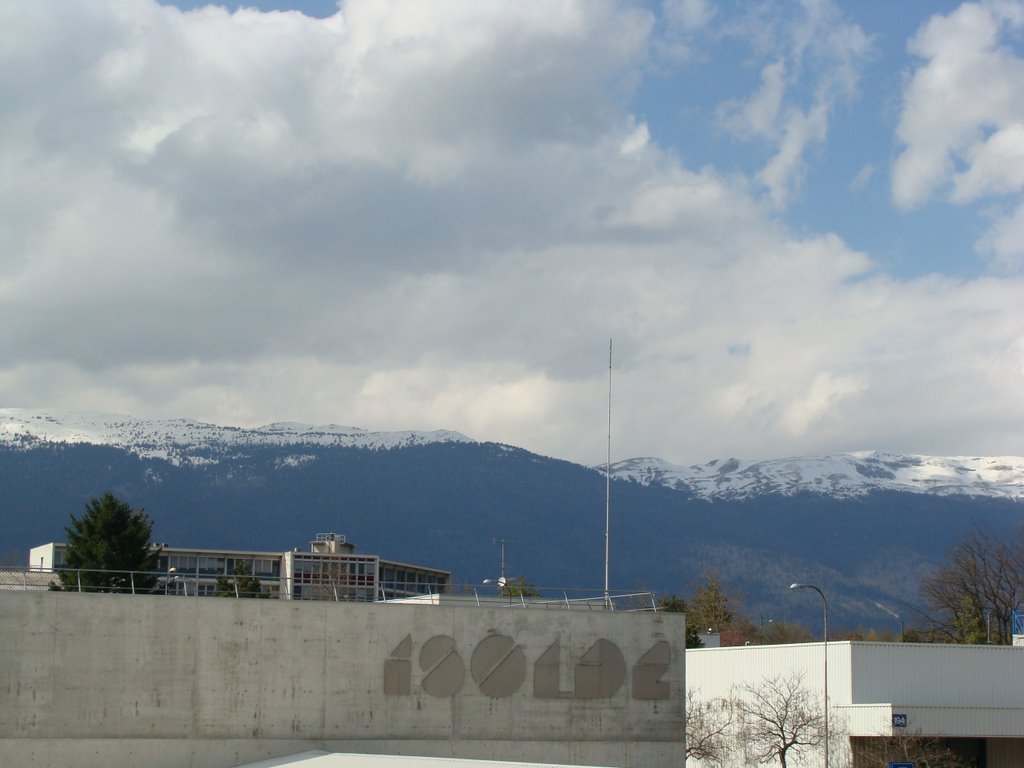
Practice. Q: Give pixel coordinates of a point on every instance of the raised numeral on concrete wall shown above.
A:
(498, 667)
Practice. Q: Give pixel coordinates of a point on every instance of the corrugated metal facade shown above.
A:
(715, 671)
(938, 675)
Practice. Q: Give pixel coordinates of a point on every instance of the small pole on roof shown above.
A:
(608, 485)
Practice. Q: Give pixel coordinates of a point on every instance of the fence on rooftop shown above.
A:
(83, 580)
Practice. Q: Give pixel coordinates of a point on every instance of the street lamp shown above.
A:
(825, 643)
(503, 542)
(502, 583)
(174, 579)
(893, 614)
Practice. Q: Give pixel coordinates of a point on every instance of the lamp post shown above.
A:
(172, 578)
(825, 644)
(502, 542)
(893, 614)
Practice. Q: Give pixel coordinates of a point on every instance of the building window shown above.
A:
(211, 565)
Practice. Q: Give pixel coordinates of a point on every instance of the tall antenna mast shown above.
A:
(503, 542)
(608, 484)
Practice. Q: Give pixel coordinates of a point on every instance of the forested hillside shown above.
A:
(444, 504)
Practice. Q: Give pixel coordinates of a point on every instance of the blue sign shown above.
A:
(900, 765)
(900, 721)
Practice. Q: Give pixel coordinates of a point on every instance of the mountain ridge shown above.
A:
(185, 440)
(444, 504)
(840, 475)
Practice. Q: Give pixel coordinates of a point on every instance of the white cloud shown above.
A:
(688, 14)
(1004, 241)
(994, 166)
(434, 216)
(814, 63)
(638, 139)
(863, 177)
(684, 21)
(759, 115)
(822, 401)
(962, 122)
(969, 83)
(784, 171)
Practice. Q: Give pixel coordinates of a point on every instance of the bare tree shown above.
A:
(708, 729)
(779, 719)
(973, 596)
(879, 751)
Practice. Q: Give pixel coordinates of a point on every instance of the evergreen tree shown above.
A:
(710, 607)
(520, 587)
(241, 584)
(676, 604)
(107, 540)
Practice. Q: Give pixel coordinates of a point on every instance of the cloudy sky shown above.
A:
(802, 223)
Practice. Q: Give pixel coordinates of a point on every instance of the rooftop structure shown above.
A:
(329, 570)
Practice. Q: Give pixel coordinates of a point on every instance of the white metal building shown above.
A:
(971, 696)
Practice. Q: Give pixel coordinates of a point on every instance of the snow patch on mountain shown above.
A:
(193, 442)
(841, 475)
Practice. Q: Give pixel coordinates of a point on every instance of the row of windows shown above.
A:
(215, 566)
(320, 577)
(334, 567)
(410, 578)
(331, 578)
(190, 588)
(352, 569)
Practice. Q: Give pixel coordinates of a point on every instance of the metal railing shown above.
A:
(82, 580)
(572, 599)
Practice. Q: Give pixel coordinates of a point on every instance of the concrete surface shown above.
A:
(117, 680)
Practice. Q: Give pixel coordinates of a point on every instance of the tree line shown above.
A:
(969, 599)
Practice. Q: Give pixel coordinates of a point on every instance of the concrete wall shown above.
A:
(108, 680)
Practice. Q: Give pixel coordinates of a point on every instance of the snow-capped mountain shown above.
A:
(270, 488)
(183, 440)
(840, 475)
